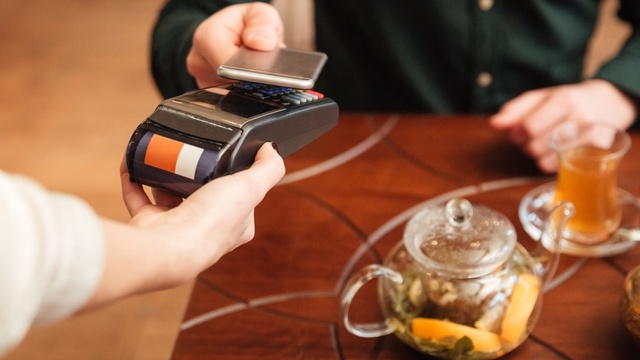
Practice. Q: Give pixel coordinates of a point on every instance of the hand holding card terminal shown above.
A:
(203, 134)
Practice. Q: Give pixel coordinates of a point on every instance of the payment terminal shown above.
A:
(203, 134)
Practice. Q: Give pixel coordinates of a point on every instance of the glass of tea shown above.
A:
(589, 155)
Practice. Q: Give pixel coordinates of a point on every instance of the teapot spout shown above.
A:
(552, 233)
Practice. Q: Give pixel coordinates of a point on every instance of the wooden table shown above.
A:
(278, 296)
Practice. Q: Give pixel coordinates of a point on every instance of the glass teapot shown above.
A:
(459, 285)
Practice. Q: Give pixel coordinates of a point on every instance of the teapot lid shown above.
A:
(459, 239)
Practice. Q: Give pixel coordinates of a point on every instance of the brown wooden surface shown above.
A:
(278, 296)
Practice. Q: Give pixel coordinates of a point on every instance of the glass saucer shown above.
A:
(536, 204)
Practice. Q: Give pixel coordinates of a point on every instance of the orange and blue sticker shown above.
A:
(186, 160)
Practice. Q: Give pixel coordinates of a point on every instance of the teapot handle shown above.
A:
(370, 272)
(552, 230)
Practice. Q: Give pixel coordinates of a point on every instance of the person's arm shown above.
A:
(622, 69)
(173, 37)
(51, 256)
(163, 248)
(612, 96)
(58, 258)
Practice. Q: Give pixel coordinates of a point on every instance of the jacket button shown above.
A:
(485, 5)
(484, 79)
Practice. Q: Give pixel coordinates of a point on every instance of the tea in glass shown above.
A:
(589, 156)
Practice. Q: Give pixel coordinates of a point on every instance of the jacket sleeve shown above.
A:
(171, 42)
(51, 257)
(624, 69)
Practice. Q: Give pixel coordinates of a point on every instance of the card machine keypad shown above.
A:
(278, 94)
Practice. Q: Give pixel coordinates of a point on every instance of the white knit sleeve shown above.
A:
(51, 256)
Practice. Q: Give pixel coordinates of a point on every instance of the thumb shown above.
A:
(263, 27)
(268, 166)
(246, 187)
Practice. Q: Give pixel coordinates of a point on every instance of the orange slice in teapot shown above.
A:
(523, 300)
(428, 328)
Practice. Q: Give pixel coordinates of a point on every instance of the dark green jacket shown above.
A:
(421, 55)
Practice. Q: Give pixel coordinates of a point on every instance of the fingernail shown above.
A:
(275, 147)
(261, 37)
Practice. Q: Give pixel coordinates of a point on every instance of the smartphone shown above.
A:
(294, 68)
